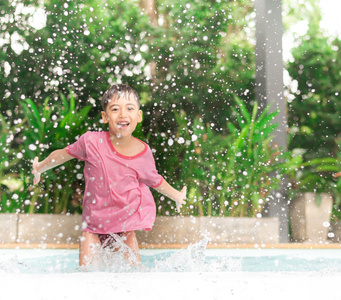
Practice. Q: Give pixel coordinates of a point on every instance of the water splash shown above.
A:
(113, 256)
(193, 259)
(185, 260)
(12, 265)
(196, 258)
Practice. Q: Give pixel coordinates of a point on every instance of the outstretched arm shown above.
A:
(55, 159)
(179, 197)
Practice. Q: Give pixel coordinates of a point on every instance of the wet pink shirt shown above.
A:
(116, 196)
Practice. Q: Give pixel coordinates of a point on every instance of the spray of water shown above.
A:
(193, 259)
(114, 256)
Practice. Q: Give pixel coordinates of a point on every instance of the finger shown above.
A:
(36, 178)
(178, 206)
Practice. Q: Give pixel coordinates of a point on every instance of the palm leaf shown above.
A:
(243, 109)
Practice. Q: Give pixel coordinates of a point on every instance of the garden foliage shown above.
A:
(314, 110)
(193, 66)
(226, 175)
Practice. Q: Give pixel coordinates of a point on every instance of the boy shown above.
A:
(118, 168)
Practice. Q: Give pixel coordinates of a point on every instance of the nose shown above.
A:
(122, 112)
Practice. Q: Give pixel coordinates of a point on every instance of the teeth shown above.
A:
(122, 124)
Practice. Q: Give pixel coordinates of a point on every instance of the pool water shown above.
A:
(184, 260)
(192, 273)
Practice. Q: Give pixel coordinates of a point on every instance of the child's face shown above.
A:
(122, 115)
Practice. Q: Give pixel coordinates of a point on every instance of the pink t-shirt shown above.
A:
(116, 196)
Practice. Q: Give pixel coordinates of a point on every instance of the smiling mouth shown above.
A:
(123, 124)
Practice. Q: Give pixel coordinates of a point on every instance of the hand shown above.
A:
(181, 199)
(35, 171)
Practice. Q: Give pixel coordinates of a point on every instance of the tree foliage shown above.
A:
(315, 108)
(202, 57)
(196, 59)
(192, 57)
(84, 46)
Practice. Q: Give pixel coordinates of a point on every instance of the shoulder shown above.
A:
(93, 135)
(141, 145)
(147, 152)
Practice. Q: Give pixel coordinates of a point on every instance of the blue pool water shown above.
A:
(184, 260)
(192, 273)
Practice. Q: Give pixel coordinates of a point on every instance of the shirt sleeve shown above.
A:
(149, 175)
(78, 149)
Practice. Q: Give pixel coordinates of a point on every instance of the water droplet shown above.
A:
(326, 224)
(32, 147)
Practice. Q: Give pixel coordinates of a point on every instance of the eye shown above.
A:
(131, 108)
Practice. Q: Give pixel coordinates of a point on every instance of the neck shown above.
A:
(119, 141)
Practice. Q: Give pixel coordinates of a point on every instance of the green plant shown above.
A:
(254, 166)
(11, 153)
(318, 176)
(226, 175)
(314, 106)
(83, 46)
(53, 126)
(14, 197)
(202, 56)
(336, 186)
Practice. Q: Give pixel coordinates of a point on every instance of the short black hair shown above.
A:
(117, 91)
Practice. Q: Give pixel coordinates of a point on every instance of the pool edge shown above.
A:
(181, 246)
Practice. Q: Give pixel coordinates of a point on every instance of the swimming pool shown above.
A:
(193, 259)
(195, 272)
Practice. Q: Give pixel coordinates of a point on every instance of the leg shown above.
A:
(87, 247)
(130, 240)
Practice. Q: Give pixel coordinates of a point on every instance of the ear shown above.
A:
(140, 116)
(104, 117)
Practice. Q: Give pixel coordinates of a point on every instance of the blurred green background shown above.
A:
(193, 64)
